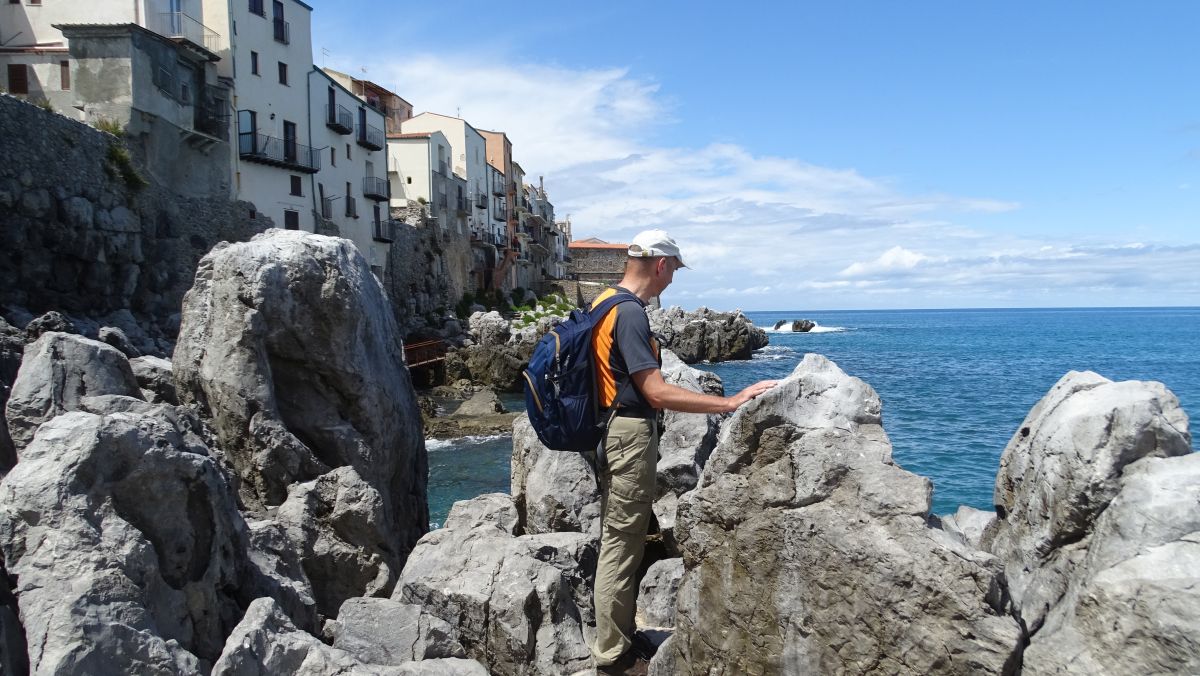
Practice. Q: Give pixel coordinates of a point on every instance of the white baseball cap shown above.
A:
(650, 243)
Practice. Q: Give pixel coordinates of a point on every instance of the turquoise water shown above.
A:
(955, 384)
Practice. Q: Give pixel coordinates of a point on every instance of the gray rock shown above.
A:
(155, 379)
(78, 213)
(12, 348)
(687, 438)
(273, 552)
(1061, 470)
(521, 605)
(706, 335)
(13, 658)
(488, 329)
(288, 344)
(126, 543)
(802, 325)
(59, 370)
(806, 550)
(554, 491)
(339, 525)
(266, 643)
(383, 631)
(117, 338)
(495, 511)
(51, 321)
(484, 402)
(656, 593)
(967, 525)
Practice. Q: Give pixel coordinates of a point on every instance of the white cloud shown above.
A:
(776, 231)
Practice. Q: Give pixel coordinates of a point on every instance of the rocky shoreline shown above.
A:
(257, 505)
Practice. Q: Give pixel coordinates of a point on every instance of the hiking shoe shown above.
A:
(628, 664)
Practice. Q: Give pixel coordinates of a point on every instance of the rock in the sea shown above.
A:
(968, 525)
(339, 525)
(806, 550)
(656, 593)
(266, 643)
(707, 335)
(288, 344)
(126, 544)
(155, 378)
(483, 402)
(522, 604)
(58, 371)
(383, 631)
(554, 491)
(1099, 529)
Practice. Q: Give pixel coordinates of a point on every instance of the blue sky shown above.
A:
(837, 155)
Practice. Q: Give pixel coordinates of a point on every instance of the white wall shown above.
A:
(410, 162)
(34, 22)
(469, 159)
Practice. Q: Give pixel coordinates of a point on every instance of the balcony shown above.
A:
(327, 207)
(283, 31)
(339, 119)
(481, 202)
(499, 215)
(375, 188)
(180, 26)
(461, 204)
(498, 188)
(278, 152)
(384, 231)
(351, 207)
(370, 137)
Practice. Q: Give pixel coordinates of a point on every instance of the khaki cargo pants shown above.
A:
(632, 450)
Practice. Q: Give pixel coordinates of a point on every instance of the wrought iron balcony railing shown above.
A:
(282, 31)
(351, 207)
(385, 231)
(375, 188)
(339, 118)
(370, 137)
(181, 26)
(278, 152)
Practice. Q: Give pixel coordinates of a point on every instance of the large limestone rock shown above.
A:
(383, 631)
(289, 345)
(657, 592)
(687, 438)
(266, 643)
(806, 550)
(1099, 529)
(155, 378)
(521, 605)
(57, 372)
(967, 525)
(554, 491)
(12, 348)
(126, 544)
(707, 335)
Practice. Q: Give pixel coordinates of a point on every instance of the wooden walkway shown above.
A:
(424, 352)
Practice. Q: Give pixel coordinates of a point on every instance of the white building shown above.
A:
(419, 172)
(497, 206)
(268, 57)
(351, 189)
(34, 53)
(468, 160)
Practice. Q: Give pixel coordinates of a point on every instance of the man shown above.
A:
(628, 373)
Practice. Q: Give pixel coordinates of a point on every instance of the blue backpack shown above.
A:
(560, 382)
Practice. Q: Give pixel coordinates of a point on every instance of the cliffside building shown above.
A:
(419, 171)
(595, 264)
(391, 105)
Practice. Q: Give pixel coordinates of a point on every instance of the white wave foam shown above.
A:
(787, 328)
(443, 444)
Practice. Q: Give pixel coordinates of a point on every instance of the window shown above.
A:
(410, 180)
(289, 141)
(35, 2)
(332, 156)
(18, 81)
(296, 187)
(256, 7)
(348, 152)
(254, 63)
(291, 219)
(64, 74)
(282, 73)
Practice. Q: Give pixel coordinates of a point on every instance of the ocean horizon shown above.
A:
(955, 383)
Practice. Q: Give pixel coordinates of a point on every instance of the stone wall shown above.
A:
(88, 231)
(591, 270)
(428, 270)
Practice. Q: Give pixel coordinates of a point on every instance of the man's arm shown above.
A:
(661, 394)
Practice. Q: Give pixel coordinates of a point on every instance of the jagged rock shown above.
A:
(283, 578)
(656, 593)
(51, 321)
(806, 550)
(707, 335)
(484, 402)
(1132, 604)
(497, 366)
(155, 379)
(522, 604)
(117, 338)
(341, 529)
(1098, 529)
(488, 329)
(967, 525)
(59, 370)
(266, 643)
(288, 344)
(687, 438)
(127, 546)
(803, 325)
(12, 347)
(383, 631)
(554, 491)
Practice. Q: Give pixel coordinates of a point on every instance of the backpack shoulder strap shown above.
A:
(610, 302)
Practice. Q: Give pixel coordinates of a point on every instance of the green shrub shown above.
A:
(111, 126)
(45, 105)
(118, 158)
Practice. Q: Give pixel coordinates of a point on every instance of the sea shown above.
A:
(955, 384)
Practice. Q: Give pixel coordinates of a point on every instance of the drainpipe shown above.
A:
(312, 178)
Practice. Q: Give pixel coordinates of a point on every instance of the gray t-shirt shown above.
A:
(623, 344)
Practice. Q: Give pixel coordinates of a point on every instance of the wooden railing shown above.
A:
(424, 352)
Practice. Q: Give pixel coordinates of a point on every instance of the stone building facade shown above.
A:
(594, 265)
